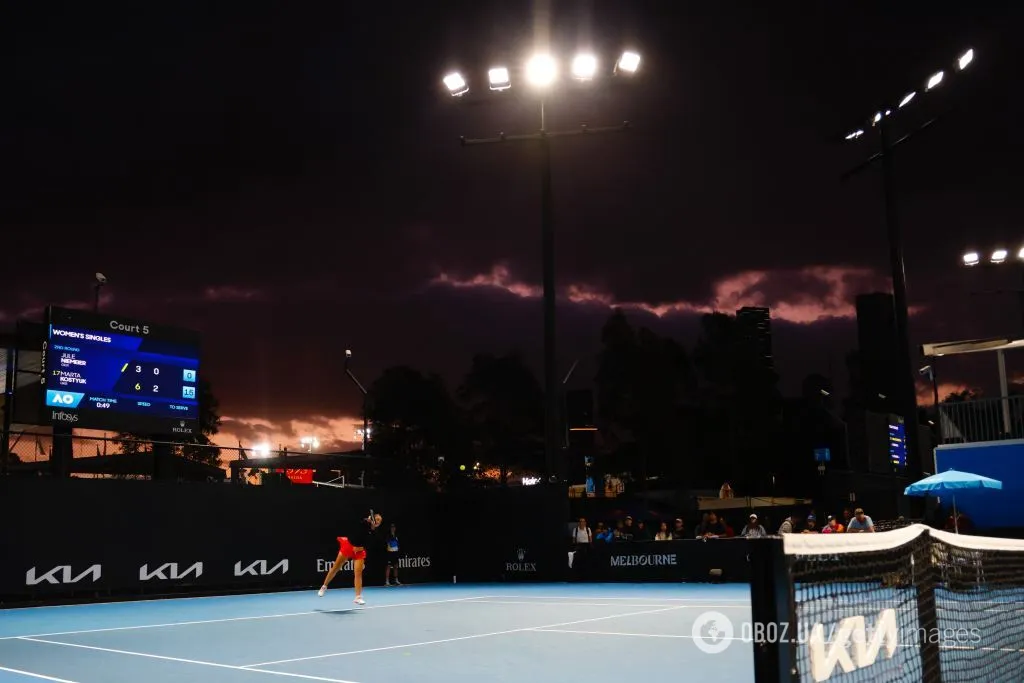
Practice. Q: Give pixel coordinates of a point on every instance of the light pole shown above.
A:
(362, 390)
(542, 73)
(882, 122)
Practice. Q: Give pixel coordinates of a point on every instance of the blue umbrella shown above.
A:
(950, 482)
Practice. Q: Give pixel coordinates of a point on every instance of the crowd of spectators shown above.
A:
(712, 525)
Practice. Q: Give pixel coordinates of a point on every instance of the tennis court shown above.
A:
(524, 633)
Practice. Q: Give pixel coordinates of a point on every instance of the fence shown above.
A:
(67, 538)
(990, 419)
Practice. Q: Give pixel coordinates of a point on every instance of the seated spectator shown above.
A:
(663, 533)
(679, 530)
(962, 523)
(703, 522)
(753, 529)
(725, 491)
(604, 534)
(787, 526)
(833, 526)
(712, 528)
(812, 525)
(620, 532)
(860, 523)
(628, 530)
(641, 533)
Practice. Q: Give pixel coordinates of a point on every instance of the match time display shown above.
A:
(117, 374)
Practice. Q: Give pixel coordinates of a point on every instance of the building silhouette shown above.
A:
(755, 325)
(875, 370)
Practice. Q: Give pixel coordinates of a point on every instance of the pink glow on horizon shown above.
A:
(840, 284)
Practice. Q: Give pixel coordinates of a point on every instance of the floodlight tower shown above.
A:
(362, 390)
(541, 73)
(881, 122)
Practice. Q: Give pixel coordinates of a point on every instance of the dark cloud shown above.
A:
(288, 182)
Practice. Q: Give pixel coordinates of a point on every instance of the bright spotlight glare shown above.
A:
(456, 84)
(584, 67)
(878, 117)
(934, 81)
(999, 255)
(965, 59)
(971, 258)
(541, 71)
(261, 450)
(1020, 254)
(499, 79)
(906, 100)
(855, 134)
(629, 61)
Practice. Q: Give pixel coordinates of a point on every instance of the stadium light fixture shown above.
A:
(310, 443)
(965, 59)
(999, 255)
(541, 71)
(1020, 254)
(499, 79)
(907, 99)
(456, 84)
(935, 81)
(972, 258)
(261, 450)
(628, 62)
(584, 67)
(855, 134)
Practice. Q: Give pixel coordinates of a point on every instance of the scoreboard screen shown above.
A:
(117, 374)
(897, 442)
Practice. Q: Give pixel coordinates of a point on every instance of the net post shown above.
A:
(926, 582)
(773, 611)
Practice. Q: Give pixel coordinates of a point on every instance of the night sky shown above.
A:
(286, 178)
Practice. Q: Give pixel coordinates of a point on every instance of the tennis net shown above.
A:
(912, 604)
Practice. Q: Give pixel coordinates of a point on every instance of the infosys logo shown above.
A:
(61, 416)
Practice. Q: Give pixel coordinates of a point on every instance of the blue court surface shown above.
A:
(430, 634)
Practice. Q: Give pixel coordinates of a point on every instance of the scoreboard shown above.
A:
(112, 373)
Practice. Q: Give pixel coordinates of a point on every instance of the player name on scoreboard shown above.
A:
(69, 373)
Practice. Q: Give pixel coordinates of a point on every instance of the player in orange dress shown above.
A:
(354, 548)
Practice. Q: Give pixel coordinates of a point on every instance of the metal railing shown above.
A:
(977, 420)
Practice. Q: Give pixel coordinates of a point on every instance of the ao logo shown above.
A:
(64, 399)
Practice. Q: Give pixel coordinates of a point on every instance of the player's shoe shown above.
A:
(359, 601)
(320, 593)
(388, 583)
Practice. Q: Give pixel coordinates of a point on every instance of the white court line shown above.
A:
(183, 660)
(590, 597)
(226, 619)
(469, 637)
(613, 633)
(475, 601)
(29, 673)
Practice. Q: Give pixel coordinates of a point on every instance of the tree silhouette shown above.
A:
(646, 400)
(413, 414)
(504, 410)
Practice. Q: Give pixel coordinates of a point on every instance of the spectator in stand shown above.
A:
(833, 526)
(787, 526)
(753, 529)
(663, 533)
(604, 534)
(581, 535)
(860, 523)
(679, 530)
(962, 523)
(628, 530)
(703, 523)
(712, 528)
(642, 533)
(847, 516)
(725, 491)
(620, 532)
(812, 525)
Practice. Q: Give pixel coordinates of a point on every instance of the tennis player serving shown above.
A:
(354, 548)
